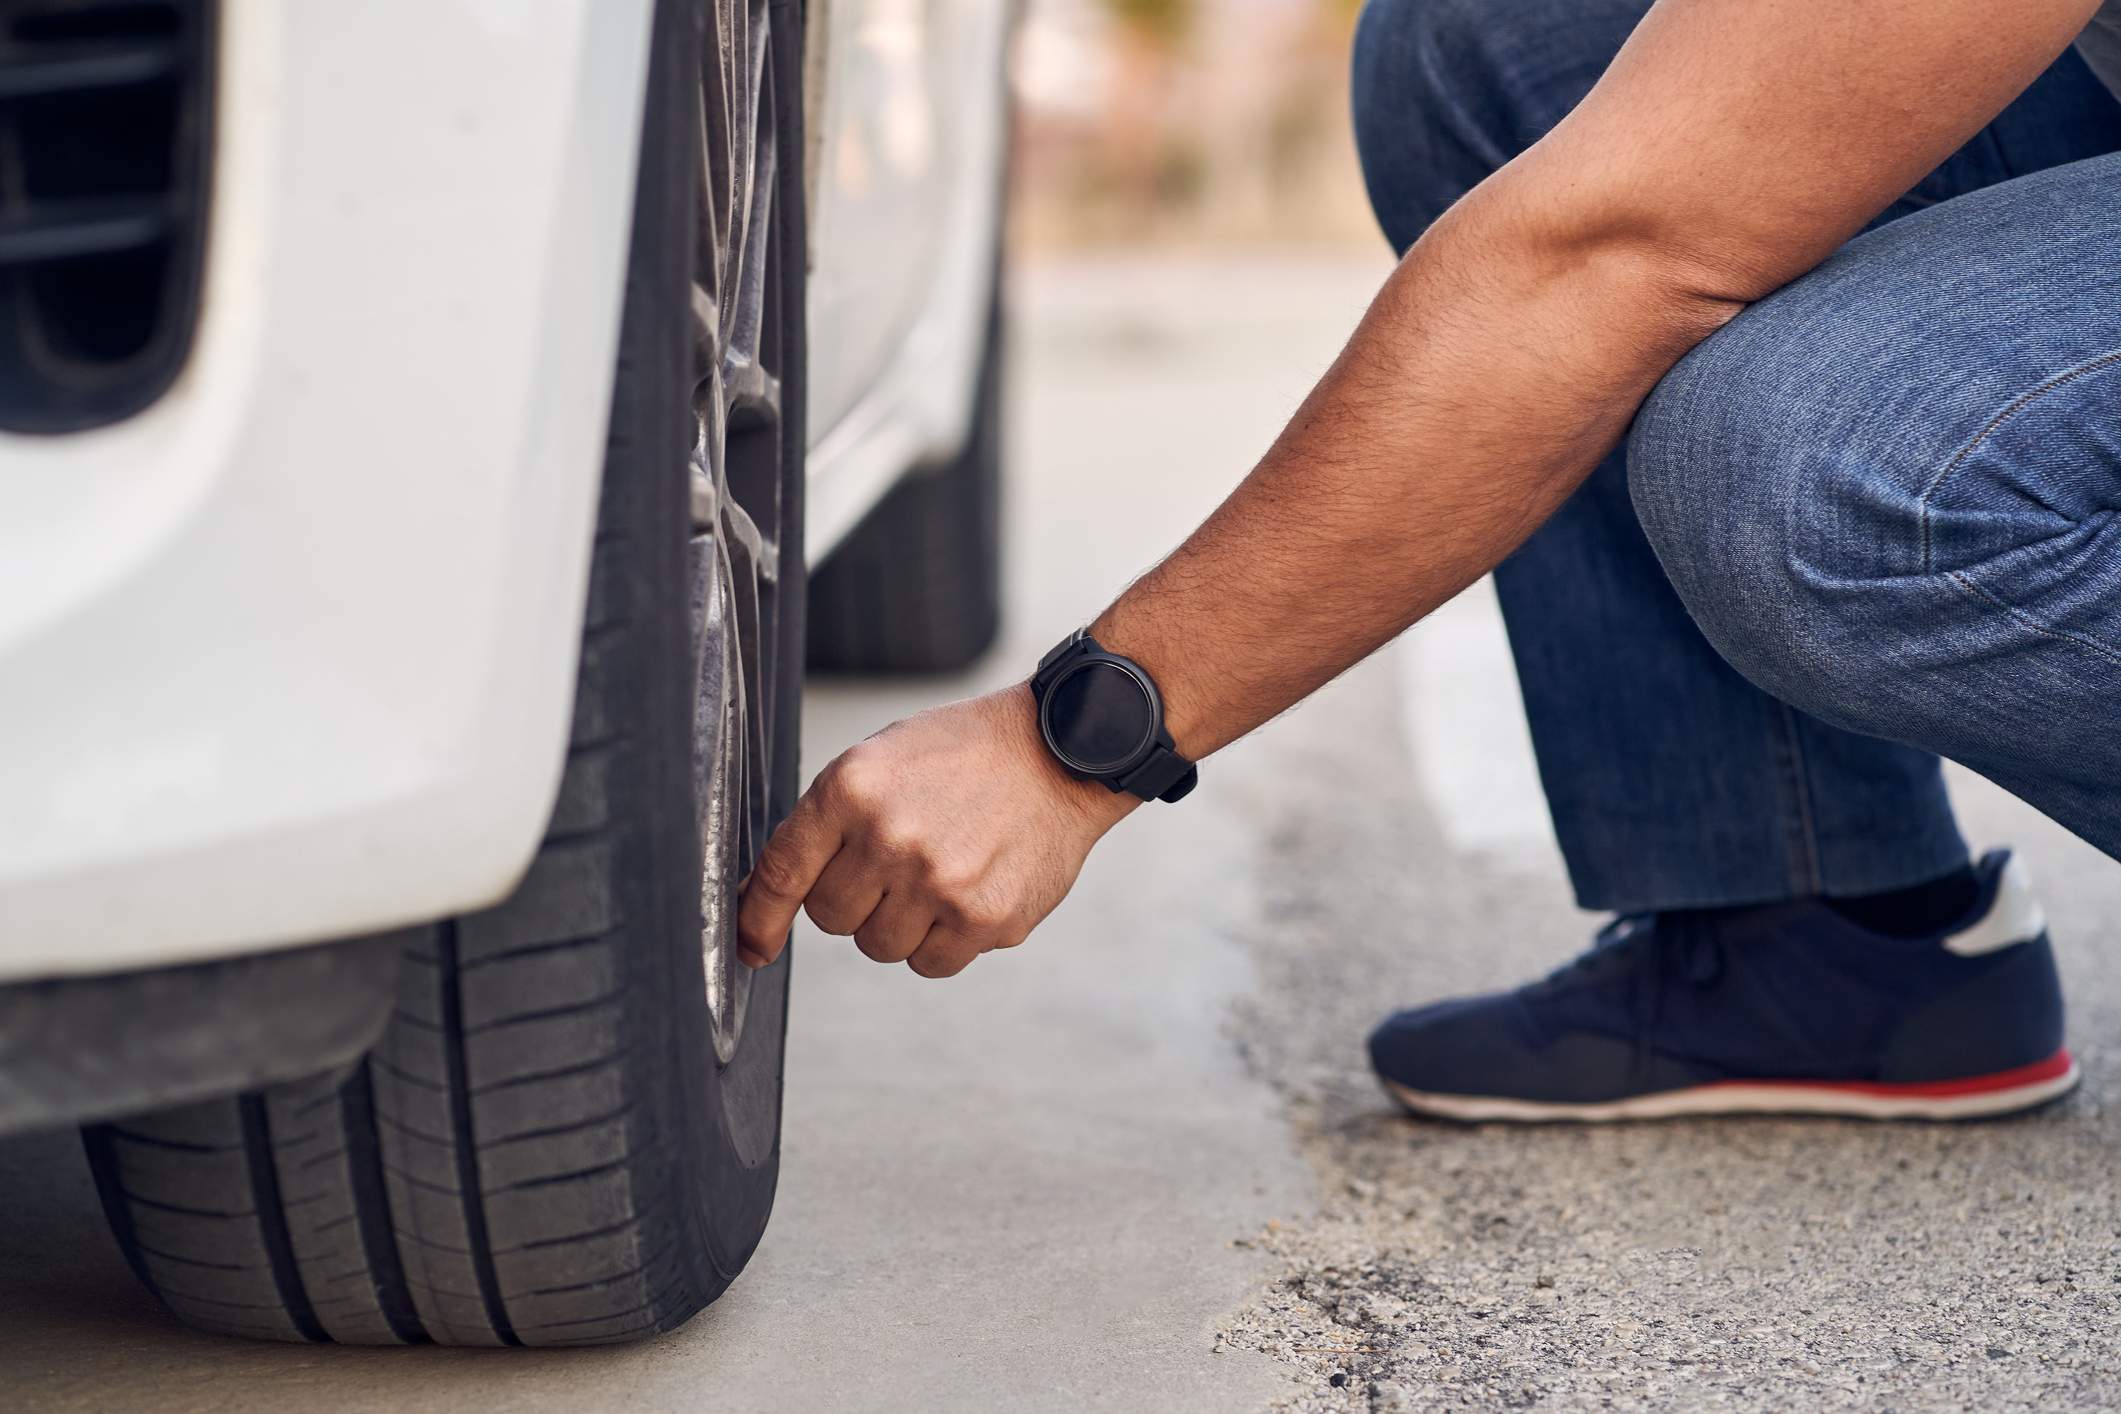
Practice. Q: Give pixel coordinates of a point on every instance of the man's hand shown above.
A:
(938, 839)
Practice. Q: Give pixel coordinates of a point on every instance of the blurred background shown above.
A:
(1188, 122)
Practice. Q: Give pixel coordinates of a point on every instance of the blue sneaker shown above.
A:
(1787, 1008)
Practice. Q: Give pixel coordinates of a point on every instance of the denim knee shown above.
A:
(1829, 543)
(1886, 492)
(1770, 546)
(1949, 589)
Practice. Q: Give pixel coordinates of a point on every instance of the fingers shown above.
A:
(791, 862)
(895, 930)
(945, 952)
(960, 935)
(846, 893)
(930, 843)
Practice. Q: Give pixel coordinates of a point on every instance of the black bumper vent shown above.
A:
(105, 119)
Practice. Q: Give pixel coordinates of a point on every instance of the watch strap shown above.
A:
(1074, 645)
(1163, 775)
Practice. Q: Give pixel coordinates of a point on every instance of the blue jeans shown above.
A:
(1874, 520)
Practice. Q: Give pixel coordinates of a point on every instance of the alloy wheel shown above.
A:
(737, 501)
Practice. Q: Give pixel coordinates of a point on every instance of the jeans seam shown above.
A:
(1803, 870)
(2010, 410)
(1976, 592)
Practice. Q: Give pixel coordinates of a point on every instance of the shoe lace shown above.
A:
(1682, 949)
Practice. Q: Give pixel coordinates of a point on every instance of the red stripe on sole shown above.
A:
(2054, 1066)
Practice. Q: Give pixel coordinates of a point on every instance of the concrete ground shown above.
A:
(1138, 1163)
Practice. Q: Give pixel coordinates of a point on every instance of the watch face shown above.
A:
(1098, 717)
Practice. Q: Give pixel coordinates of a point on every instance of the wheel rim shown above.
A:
(736, 485)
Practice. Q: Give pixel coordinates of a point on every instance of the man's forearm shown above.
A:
(1731, 146)
(1489, 377)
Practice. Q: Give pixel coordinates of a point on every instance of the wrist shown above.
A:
(1098, 805)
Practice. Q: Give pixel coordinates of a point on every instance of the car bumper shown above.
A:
(290, 654)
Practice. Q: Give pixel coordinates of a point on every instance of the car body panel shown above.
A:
(290, 655)
(907, 212)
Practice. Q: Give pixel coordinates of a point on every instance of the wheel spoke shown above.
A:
(749, 389)
(706, 334)
(710, 459)
(753, 553)
(710, 237)
(747, 269)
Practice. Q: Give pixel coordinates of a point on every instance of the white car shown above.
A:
(410, 439)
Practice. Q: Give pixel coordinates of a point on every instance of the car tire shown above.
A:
(566, 1134)
(917, 586)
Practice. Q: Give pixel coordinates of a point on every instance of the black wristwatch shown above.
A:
(1103, 720)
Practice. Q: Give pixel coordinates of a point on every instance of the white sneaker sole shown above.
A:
(1975, 1097)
